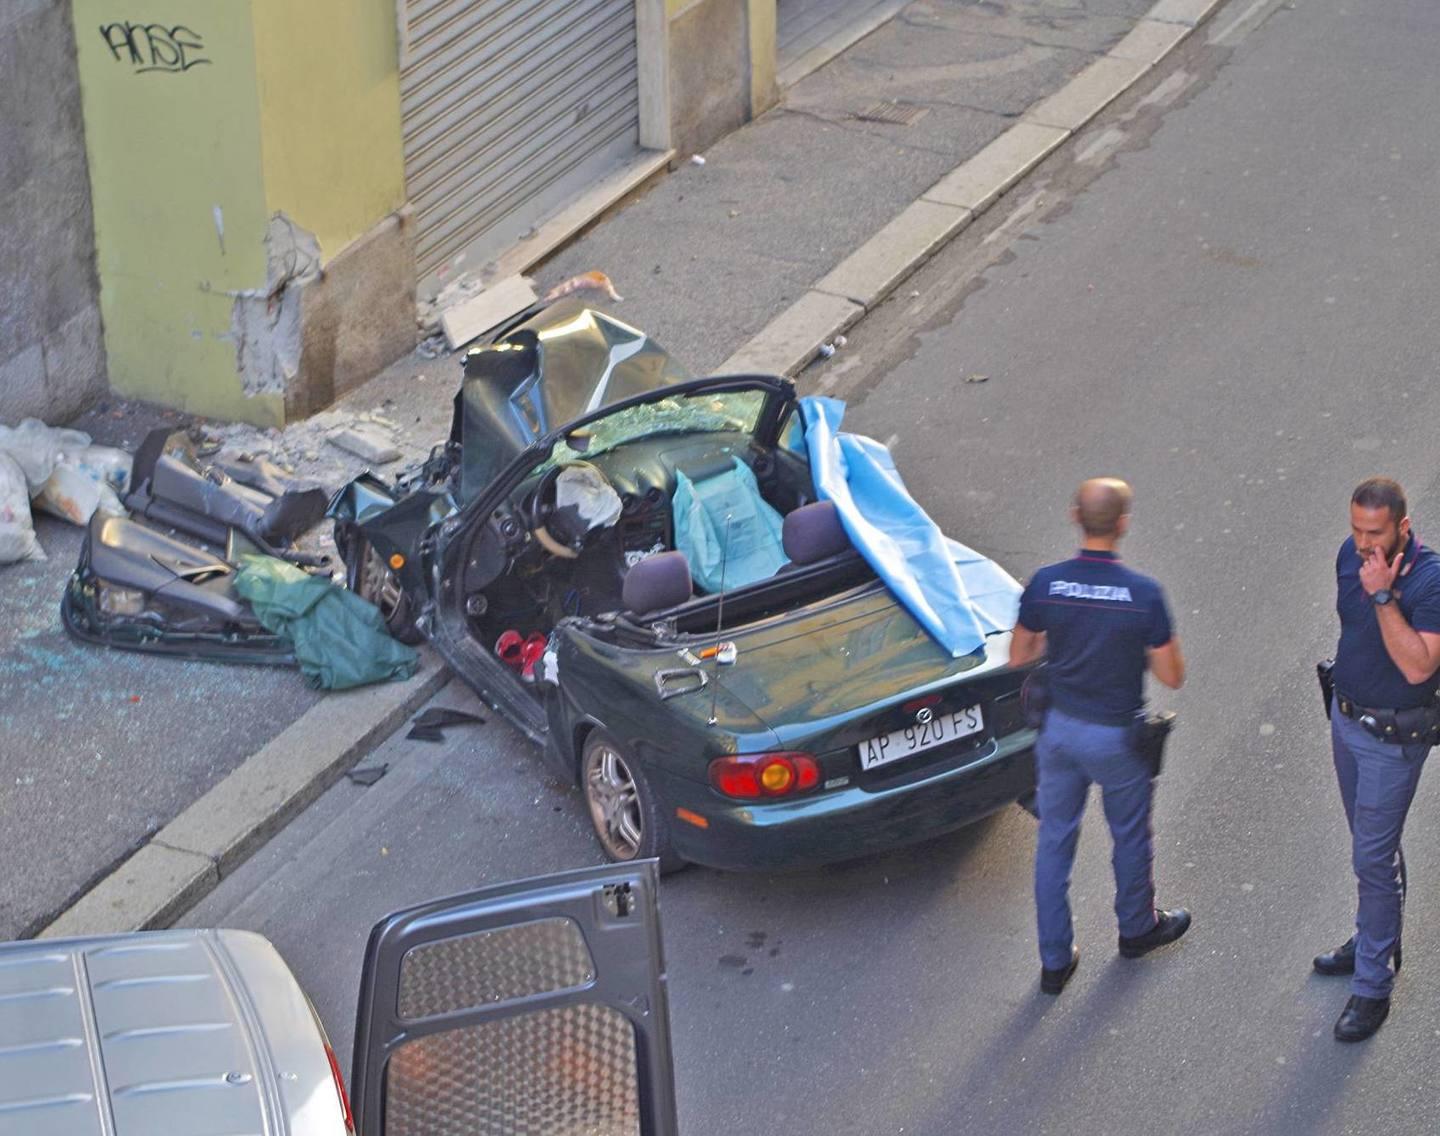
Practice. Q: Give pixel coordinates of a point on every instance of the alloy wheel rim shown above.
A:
(614, 802)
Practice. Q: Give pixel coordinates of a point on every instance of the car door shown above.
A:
(536, 1008)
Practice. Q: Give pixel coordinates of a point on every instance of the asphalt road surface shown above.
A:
(1225, 292)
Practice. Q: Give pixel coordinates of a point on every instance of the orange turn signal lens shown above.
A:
(397, 561)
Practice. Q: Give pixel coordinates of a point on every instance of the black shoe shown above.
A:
(1341, 960)
(1169, 926)
(1053, 981)
(1361, 1018)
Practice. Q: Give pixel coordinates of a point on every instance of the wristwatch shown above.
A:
(1382, 597)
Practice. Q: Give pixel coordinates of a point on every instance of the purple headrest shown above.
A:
(657, 582)
(813, 532)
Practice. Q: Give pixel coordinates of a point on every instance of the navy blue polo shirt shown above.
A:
(1364, 669)
(1099, 618)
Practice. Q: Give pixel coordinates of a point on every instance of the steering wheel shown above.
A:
(538, 512)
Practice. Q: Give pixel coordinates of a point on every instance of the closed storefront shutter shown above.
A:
(511, 109)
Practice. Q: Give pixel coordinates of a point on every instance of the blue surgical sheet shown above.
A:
(956, 594)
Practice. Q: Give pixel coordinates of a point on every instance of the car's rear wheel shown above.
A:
(628, 817)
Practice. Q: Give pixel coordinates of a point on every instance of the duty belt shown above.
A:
(1403, 727)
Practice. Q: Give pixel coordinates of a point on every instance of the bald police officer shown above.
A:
(1102, 626)
(1382, 717)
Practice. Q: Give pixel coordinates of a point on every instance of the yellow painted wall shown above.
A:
(330, 114)
(167, 148)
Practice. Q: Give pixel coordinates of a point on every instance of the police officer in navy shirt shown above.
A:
(1102, 626)
(1381, 717)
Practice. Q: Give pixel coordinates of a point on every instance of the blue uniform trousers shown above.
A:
(1377, 783)
(1071, 754)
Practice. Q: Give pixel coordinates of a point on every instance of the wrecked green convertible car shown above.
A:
(720, 617)
(647, 574)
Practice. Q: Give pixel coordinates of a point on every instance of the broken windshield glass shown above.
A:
(703, 412)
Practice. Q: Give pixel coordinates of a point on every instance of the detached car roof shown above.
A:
(178, 1032)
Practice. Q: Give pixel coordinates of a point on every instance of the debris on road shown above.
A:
(430, 725)
(369, 774)
(366, 441)
(476, 315)
(594, 280)
(977, 378)
(174, 488)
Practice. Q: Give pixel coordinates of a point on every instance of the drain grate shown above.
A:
(897, 114)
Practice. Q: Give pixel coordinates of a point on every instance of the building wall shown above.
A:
(722, 67)
(238, 149)
(52, 358)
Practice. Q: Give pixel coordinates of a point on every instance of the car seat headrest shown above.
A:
(813, 532)
(656, 583)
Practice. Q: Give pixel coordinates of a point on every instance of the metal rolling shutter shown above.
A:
(511, 108)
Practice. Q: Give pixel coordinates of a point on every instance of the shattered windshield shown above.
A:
(697, 413)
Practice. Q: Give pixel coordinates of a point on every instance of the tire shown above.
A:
(371, 579)
(627, 815)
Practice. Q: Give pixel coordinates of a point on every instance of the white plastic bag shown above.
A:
(17, 531)
(73, 495)
(84, 481)
(36, 448)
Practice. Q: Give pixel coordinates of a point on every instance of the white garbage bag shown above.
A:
(37, 448)
(17, 531)
(86, 480)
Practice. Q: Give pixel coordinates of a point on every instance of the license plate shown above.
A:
(946, 726)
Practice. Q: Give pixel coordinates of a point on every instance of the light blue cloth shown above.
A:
(727, 531)
(953, 592)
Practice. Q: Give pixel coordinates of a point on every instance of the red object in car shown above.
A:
(752, 776)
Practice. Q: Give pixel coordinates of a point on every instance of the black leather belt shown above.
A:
(1401, 726)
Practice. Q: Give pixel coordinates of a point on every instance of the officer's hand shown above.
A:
(1376, 572)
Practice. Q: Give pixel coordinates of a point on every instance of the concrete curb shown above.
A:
(874, 270)
(206, 842)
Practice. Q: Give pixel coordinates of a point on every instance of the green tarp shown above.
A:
(339, 639)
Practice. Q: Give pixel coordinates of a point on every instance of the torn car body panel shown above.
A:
(138, 589)
(562, 364)
(172, 486)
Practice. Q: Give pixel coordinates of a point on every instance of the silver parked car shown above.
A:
(531, 1008)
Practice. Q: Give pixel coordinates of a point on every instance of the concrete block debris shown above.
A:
(367, 441)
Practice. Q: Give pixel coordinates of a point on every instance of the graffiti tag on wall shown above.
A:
(154, 47)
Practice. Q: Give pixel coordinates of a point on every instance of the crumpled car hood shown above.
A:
(559, 365)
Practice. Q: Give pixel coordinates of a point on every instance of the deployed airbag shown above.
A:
(956, 594)
(729, 533)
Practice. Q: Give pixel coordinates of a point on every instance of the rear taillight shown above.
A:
(340, 1088)
(752, 776)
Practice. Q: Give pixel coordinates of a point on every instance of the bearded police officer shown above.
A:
(1102, 626)
(1382, 722)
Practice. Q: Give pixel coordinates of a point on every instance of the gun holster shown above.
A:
(1149, 734)
(1325, 672)
(1035, 697)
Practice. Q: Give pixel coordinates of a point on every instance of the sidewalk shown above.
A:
(788, 232)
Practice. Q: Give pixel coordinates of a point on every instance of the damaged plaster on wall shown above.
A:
(265, 325)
